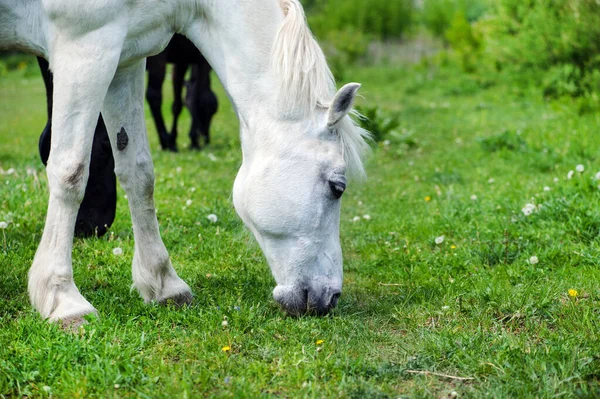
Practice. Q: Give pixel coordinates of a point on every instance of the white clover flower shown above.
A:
(3, 225)
(178, 170)
(570, 174)
(356, 218)
(473, 197)
(546, 188)
(117, 251)
(597, 177)
(580, 168)
(533, 260)
(367, 217)
(491, 180)
(188, 202)
(193, 189)
(556, 179)
(212, 157)
(386, 143)
(213, 218)
(439, 240)
(528, 209)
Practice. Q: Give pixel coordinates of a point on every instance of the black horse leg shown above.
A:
(44, 142)
(97, 210)
(191, 101)
(205, 104)
(157, 67)
(178, 77)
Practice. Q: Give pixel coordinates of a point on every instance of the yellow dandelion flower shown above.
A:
(573, 293)
(226, 348)
(453, 246)
(320, 341)
(428, 198)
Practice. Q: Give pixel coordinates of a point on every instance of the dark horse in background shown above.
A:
(97, 210)
(200, 99)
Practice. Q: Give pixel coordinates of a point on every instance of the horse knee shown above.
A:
(137, 177)
(67, 178)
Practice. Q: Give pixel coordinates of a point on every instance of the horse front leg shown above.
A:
(82, 73)
(153, 275)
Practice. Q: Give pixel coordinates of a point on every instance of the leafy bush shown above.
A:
(438, 15)
(552, 44)
(558, 37)
(461, 36)
(380, 19)
(376, 123)
(454, 22)
(345, 47)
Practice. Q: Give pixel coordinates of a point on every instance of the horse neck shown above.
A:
(236, 39)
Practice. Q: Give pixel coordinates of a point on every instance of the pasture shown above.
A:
(508, 300)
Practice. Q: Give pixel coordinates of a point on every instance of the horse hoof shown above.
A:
(181, 299)
(73, 325)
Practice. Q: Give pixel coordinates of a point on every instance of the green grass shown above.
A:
(472, 306)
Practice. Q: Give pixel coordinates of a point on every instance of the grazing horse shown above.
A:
(200, 99)
(297, 139)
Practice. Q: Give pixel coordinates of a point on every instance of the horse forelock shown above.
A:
(305, 82)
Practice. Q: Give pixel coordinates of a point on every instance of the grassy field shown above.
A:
(467, 158)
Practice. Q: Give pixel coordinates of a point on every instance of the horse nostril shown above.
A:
(334, 299)
(305, 300)
(297, 301)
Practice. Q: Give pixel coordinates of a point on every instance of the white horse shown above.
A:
(298, 141)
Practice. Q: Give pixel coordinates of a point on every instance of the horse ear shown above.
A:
(342, 103)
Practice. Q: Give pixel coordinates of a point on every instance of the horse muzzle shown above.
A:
(317, 299)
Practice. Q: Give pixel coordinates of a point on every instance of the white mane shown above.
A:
(306, 82)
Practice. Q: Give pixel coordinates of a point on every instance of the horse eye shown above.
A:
(337, 188)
